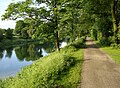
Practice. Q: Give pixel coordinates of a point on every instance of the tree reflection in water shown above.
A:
(9, 51)
(12, 58)
(1, 52)
(27, 52)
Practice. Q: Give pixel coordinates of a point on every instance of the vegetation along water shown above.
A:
(58, 69)
(50, 22)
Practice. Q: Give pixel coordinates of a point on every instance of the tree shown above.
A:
(98, 14)
(114, 17)
(19, 26)
(53, 16)
(9, 33)
(1, 34)
(56, 17)
(24, 33)
(23, 9)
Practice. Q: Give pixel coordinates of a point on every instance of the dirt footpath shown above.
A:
(99, 70)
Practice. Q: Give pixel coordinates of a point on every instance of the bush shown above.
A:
(83, 38)
(78, 43)
(105, 42)
(116, 46)
(112, 39)
(68, 49)
(72, 47)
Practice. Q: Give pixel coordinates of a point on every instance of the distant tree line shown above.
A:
(6, 33)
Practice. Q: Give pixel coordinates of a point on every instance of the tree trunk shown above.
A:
(56, 28)
(57, 41)
(114, 17)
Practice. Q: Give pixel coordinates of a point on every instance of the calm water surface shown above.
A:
(12, 59)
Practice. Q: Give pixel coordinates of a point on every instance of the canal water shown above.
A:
(13, 59)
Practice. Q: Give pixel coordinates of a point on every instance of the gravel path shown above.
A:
(99, 70)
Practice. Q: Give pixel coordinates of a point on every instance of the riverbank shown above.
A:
(58, 69)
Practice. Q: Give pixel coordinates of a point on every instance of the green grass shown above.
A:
(54, 71)
(72, 78)
(114, 53)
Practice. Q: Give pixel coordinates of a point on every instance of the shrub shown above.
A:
(112, 39)
(73, 46)
(105, 42)
(116, 46)
(78, 43)
(83, 38)
(68, 49)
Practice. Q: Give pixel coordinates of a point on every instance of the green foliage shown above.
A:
(55, 70)
(24, 33)
(9, 33)
(47, 73)
(98, 17)
(0, 82)
(19, 26)
(73, 77)
(1, 34)
(70, 20)
(44, 75)
(68, 49)
(73, 18)
(118, 35)
(112, 39)
(115, 46)
(22, 29)
(46, 21)
(78, 43)
(105, 42)
(94, 34)
(16, 10)
(72, 47)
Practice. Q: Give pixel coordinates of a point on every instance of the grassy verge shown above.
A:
(114, 53)
(54, 71)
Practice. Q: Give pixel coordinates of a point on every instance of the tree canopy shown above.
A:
(56, 20)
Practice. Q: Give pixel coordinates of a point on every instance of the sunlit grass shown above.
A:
(114, 53)
(72, 78)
